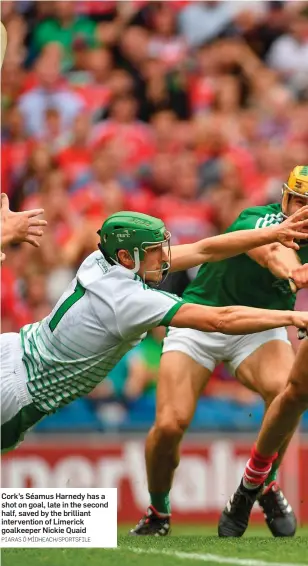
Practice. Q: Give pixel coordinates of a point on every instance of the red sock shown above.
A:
(257, 469)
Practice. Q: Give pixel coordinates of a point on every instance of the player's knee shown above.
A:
(297, 394)
(273, 390)
(171, 426)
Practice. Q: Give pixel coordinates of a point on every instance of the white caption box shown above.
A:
(60, 518)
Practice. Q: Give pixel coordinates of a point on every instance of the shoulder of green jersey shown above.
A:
(269, 219)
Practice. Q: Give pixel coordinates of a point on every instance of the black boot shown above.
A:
(152, 524)
(234, 519)
(278, 513)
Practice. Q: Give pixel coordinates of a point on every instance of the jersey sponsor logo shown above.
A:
(103, 264)
(269, 220)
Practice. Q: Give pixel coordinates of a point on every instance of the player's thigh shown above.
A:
(10, 404)
(181, 381)
(266, 370)
(188, 360)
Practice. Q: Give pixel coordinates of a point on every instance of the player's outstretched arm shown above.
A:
(20, 226)
(235, 319)
(242, 241)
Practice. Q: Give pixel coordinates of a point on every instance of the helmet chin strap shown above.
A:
(136, 260)
(137, 266)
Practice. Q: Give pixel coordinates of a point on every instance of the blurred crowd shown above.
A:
(186, 110)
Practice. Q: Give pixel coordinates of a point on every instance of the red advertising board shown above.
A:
(208, 473)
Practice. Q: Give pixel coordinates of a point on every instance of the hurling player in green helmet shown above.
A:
(107, 309)
(264, 277)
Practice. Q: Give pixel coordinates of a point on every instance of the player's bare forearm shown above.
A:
(236, 319)
(219, 247)
(280, 261)
(242, 241)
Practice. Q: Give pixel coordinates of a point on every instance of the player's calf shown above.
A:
(162, 458)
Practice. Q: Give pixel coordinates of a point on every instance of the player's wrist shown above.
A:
(298, 320)
(293, 318)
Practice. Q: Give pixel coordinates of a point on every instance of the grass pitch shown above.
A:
(187, 546)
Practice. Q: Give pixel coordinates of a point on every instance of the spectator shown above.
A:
(39, 164)
(133, 137)
(201, 22)
(48, 94)
(163, 91)
(75, 158)
(64, 28)
(289, 53)
(95, 90)
(102, 194)
(16, 151)
(165, 44)
(187, 218)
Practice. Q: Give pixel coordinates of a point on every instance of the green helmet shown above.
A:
(134, 232)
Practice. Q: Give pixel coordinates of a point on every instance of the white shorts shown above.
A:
(17, 410)
(14, 393)
(211, 348)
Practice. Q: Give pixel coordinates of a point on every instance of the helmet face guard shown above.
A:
(286, 194)
(297, 185)
(165, 266)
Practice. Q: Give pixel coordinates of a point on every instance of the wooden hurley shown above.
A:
(3, 41)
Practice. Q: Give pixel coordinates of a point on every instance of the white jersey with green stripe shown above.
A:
(103, 314)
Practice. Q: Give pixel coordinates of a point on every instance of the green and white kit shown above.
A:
(105, 312)
(235, 281)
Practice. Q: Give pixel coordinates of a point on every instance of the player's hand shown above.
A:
(19, 227)
(300, 276)
(293, 228)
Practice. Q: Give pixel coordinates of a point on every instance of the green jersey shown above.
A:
(241, 280)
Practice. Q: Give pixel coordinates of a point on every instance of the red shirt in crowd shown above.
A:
(188, 221)
(14, 312)
(96, 97)
(14, 158)
(135, 141)
(75, 163)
